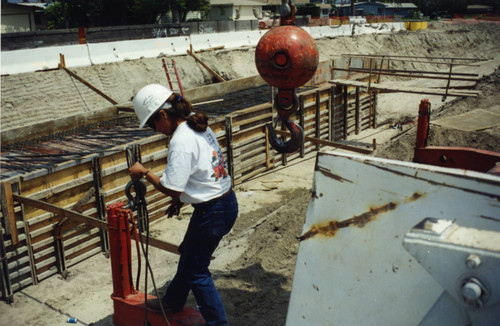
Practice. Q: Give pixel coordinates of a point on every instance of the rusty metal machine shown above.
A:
(397, 243)
(286, 57)
(387, 242)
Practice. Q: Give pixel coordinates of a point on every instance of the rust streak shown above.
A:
(330, 229)
(327, 173)
(416, 196)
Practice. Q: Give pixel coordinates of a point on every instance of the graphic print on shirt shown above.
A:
(218, 166)
(218, 163)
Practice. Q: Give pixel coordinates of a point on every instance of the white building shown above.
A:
(235, 10)
(19, 17)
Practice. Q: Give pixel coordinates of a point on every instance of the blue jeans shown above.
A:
(209, 223)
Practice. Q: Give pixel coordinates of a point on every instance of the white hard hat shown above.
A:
(149, 99)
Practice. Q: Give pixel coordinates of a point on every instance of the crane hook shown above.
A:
(286, 103)
(140, 192)
(296, 140)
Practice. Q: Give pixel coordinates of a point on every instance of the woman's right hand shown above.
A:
(137, 171)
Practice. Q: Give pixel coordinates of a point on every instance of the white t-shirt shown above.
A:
(195, 166)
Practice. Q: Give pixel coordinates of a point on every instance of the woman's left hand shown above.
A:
(137, 171)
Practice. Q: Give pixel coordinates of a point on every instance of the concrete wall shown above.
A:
(35, 39)
(78, 55)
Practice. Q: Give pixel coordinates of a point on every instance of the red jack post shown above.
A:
(453, 157)
(129, 306)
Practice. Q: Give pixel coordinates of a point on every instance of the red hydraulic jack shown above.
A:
(129, 306)
(454, 157)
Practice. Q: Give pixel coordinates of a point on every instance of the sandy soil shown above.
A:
(36, 97)
(254, 264)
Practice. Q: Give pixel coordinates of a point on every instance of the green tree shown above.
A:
(89, 13)
(55, 13)
(116, 12)
(146, 11)
(180, 8)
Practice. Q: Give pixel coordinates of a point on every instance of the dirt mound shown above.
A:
(257, 288)
(489, 139)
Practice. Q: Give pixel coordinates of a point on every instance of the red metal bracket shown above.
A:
(454, 157)
(129, 306)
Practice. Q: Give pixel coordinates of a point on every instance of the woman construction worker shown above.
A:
(195, 174)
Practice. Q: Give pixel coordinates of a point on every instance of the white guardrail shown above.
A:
(30, 60)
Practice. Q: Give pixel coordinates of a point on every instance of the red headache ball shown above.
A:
(286, 57)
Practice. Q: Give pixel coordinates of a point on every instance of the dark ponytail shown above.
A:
(197, 121)
(182, 108)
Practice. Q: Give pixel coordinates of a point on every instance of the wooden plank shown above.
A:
(345, 111)
(229, 147)
(20, 284)
(317, 116)
(67, 198)
(411, 57)
(400, 89)
(247, 121)
(83, 256)
(100, 203)
(251, 155)
(449, 81)
(5, 281)
(259, 160)
(302, 120)
(89, 85)
(243, 149)
(66, 179)
(268, 157)
(8, 211)
(409, 72)
(19, 273)
(357, 110)
(86, 219)
(252, 174)
(82, 248)
(216, 75)
(329, 143)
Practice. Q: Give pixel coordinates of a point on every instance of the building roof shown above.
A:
(37, 5)
(479, 7)
(405, 5)
(278, 2)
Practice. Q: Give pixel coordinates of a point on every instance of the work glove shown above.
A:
(174, 209)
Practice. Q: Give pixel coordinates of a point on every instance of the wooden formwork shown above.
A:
(42, 244)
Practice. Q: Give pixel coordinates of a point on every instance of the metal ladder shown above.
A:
(170, 68)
